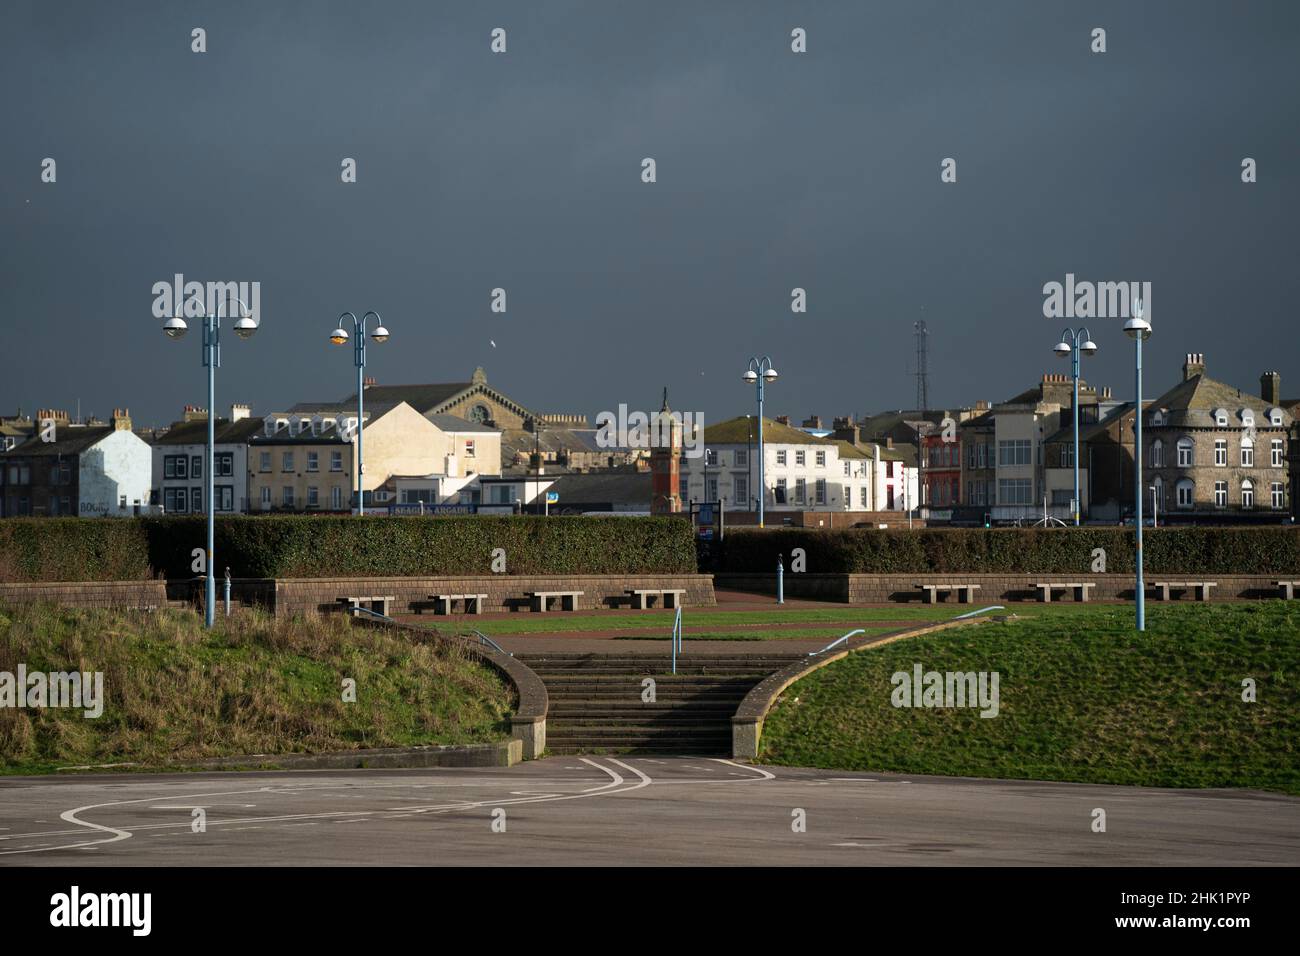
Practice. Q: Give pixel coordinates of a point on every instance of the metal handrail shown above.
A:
(365, 610)
(838, 640)
(484, 639)
(861, 630)
(991, 607)
(676, 638)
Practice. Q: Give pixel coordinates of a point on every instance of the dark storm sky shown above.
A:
(522, 170)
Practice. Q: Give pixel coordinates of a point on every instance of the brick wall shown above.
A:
(504, 592)
(886, 588)
(90, 593)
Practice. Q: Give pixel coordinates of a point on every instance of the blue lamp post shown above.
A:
(1139, 330)
(340, 337)
(175, 328)
(760, 372)
(1073, 344)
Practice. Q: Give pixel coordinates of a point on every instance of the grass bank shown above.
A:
(1082, 698)
(174, 691)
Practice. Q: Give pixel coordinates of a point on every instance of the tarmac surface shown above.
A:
(628, 810)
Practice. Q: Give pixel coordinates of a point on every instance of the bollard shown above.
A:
(227, 592)
(780, 579)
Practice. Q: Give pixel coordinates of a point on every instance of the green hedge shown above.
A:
(285, 546)
(1016, 550)
(73, 549)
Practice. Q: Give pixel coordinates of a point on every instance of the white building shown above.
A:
(802, 472)
(180, 455)
(86, 470)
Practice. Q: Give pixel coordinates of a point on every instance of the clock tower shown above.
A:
(665, 461)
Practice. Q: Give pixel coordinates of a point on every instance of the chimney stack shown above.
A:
(121, 420)
(370, 381)
(239, 411)
(1195, 365)
(812, 421)
(194, 413)
(1270, 388)
(783, 419)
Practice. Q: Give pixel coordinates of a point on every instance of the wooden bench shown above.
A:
(965, 592)
(1081, 588)
(540, 598)
(1286, 589)
(377, 603)
(1202, 588)
(668, 597)
(473, 602)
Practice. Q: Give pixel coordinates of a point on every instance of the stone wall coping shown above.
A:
(747, 723)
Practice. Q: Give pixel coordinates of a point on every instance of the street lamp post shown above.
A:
(340, 337)
(759, 373)
(1073, 343)
(175, 328)
(1155, 507)
(1139, 330)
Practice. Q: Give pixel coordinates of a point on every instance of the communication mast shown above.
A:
(922, 360)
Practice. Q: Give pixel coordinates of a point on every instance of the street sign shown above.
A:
(552, 497)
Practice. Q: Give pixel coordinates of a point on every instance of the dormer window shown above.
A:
(1275, 416)
(1247, 417)
(1221, 417)
(1157, 417)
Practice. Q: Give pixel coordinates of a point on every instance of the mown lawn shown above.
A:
(1083, 697)
(253, 685)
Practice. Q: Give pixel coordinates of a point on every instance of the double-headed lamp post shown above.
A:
(1072, 344)
(1139, 330)
(175, 328)
(759, 373)
(340, 337)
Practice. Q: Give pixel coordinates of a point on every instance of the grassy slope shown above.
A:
(1083, 699)
(253, 685)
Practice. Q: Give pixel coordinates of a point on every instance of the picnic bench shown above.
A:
(668, 597)
(965, 592)
(1081, 588)
(473, 602)
(1201, 588)
(541, 597)
(377, 603)
(1286, 589)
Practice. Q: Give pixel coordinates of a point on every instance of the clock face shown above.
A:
(478, 414)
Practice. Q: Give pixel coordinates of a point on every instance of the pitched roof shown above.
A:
(196, 433)
(423, 398)
(1193, 402)
(850, 450)
(68, 440)
(605, 488)
(740, 430)
(454, 423)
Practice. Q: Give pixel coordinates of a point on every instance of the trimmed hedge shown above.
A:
(73, 549)
(1016, 550)
(288, 546)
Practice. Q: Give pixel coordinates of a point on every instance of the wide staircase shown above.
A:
(597, 700)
